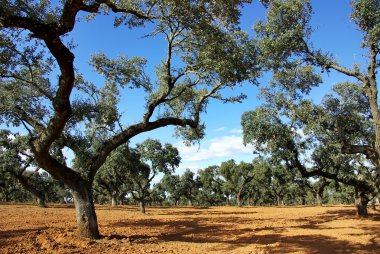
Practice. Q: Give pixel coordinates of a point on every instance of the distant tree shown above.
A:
(202, 38)
(318, 187)
(210, 184)
(158, 195)
(259, 188)
(10, 188)
(340, 194)
(16, 160)
(155, 158)
(282, 181)
(172, 185)
(140, 179)
(237, 177)
(188, 186)
(113, 176)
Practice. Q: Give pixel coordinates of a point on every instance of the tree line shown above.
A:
(129, 176)
(47, 105)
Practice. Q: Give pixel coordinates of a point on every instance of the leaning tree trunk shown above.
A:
(361, 202)
(38, 195)
(85, 213)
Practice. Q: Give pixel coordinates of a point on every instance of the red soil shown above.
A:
(329, 229)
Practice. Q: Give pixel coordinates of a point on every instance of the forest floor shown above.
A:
(328, 229)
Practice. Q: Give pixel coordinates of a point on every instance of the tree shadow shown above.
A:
(10, 237)
(230, 233)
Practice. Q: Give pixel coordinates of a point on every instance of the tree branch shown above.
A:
(132, 131)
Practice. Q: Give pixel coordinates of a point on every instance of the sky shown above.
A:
(333, 32)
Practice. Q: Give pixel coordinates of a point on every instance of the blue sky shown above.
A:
(334, 32)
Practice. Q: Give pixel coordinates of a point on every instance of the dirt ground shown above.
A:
(328, 229)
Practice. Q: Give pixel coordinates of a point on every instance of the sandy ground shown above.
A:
(329, 229)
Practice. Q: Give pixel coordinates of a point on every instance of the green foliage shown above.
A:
(366, 15)
(210, 184)
(172, 185)
(203, 40)
(322, 136)
(282, 35)
(163, 158)
(337, 139)
(115, 176)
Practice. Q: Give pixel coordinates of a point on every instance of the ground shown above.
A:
(328, 229)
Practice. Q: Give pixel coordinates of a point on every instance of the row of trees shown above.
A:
(207, 53)
(128, 174)
(257, 183)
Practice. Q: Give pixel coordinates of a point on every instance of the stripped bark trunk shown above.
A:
(85, 213)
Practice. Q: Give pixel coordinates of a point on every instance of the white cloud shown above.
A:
(221, 147)
(236, 131)
(220, 129)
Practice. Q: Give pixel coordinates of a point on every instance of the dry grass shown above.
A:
(328, 229)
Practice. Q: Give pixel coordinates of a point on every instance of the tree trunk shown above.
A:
(41, 201)
(85, 213)
(7, 197)
(113, 199)
(238, 198)
(142, 206)
(361, 202)
(39, 196)
(278, 200)
(122, 199)
(319, 201)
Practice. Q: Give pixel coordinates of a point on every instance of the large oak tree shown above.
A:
(202, 38)
(286, 48)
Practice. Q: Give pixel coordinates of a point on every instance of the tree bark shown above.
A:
(113, 199)
(318, 197)
(85, 213)
(278, 200)
(361, 202)
(41, 201)
(238, 199)
(142, 206)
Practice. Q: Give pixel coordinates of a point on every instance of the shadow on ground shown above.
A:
(206, 229)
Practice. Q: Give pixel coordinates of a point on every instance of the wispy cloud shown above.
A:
(220, 147)
(236, 131)
(220, 129)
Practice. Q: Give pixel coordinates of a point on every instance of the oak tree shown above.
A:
(206, 52)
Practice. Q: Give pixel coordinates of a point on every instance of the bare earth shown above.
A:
(329, 229)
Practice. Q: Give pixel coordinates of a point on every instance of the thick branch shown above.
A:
(347, 72)
(295, 163)
(329, 65)
(132, 131)
(366, 150)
